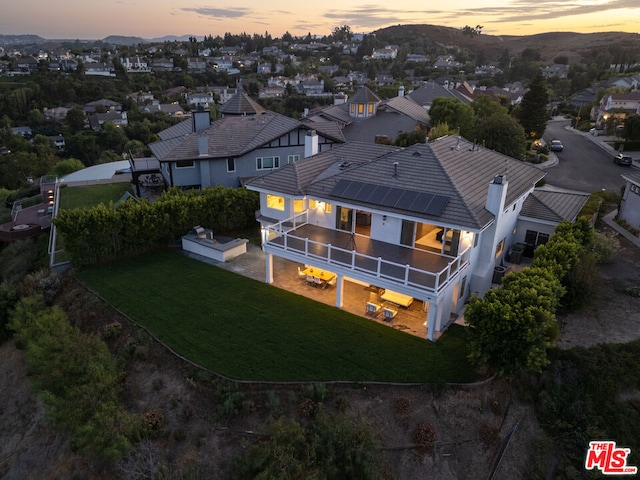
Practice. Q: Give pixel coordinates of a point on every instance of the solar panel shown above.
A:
(392, 197)
(437, 205)
(366, 191)
(341, 188)
(409, 200)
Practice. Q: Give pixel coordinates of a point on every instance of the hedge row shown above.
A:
(513, 326)
(102, 232)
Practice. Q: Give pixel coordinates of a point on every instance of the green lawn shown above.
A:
(89, 196)
(250, 330)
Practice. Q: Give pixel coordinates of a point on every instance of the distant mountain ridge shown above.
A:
(29, 39)
(575, 46)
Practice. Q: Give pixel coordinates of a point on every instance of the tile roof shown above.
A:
(227, 137)
(450, 166)
(364, 95)
(407, 106)
(241, 104)
(554, 206)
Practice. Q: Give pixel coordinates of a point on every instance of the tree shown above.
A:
(533, 114)
(455, 114)
(502, 133)
(65, 167)
(631, 131)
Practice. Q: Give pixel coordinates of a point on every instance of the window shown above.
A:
(293, 158)
(267, 163)
(371, 108)
(185, 164)
(535, 238)
(231, 164)
(276, 202)
(360, 108)
(298, 206)
(315, 204)
(500, 247)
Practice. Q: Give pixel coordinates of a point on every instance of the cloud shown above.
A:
(375, 16)
(220, 12)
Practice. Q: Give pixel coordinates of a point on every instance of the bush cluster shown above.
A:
(513, 327)
(102, 232)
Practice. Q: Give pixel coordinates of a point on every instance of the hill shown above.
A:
(577, 47)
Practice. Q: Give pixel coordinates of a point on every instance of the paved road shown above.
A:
(583, 165)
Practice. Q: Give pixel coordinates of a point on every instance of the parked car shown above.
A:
(556, 146)
(622, 159)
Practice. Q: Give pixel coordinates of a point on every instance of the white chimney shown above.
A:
(310, 143)
(401, 91)
(203, 145)
(496, 195)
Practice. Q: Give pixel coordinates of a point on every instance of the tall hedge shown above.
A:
(103, 232)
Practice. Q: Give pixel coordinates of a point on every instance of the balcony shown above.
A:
(373, 261)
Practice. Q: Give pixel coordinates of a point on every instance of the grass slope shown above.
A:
(250, 330)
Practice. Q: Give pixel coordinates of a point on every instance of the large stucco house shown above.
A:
(429, 222)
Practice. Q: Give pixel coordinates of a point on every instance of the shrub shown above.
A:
(424, 435)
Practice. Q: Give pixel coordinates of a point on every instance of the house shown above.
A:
(56, 113)
(629, 210)
(200, 99)
(445, 62)
(247, 141)
(431, 222)
(59, 142)
(97, 120)
(389, 52)
(557, 70)
(135, 65)
(617, 105)
(364, 117)
(99, 69)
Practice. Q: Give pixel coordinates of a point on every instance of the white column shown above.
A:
(339, 287)
(432, 315)
(269, 267)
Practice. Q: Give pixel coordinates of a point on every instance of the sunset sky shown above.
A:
(93, 19)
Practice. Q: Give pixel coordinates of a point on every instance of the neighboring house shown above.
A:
(59, 142)
(618, 105)
(103, 104)
(271, 91)
(630, 204)
(100, 69)
(557, 70)
(445, 62)
(97, 120)
(162, 64)
(388, 52)
(428, 91)
(430, 222)
(24, 131)
(200, 99)
(366, 118)
(135, 65)
(57, 113)
(247, 141)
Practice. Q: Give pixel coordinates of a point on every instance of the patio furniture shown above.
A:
(389, 313)
(397, 298)
(318, 282)
(373, 308)
(332, 282)
(301, 274)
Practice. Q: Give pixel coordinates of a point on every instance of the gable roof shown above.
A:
(554, 206)
(227, 137)
(407, 106)
(424, 95)
(364, 95)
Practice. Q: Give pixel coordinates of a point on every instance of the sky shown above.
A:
(97, 19)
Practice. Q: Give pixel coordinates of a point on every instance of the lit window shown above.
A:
(276, 202)
(360, 108)
(298, 206)
(267, 163)
(500, 247)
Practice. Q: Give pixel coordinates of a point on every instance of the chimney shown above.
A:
(401, 91)
(203, 145)
(200, 120)
(496, 195)
(310, 143)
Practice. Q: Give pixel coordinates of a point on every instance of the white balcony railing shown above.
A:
(429, 275)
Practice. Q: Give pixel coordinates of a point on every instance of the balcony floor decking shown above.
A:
(365, 247)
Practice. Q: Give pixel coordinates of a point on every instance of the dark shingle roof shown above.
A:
(407, 106)
(364, 95)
